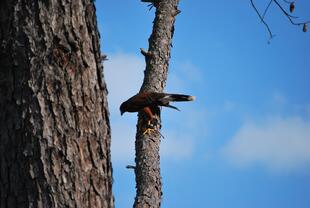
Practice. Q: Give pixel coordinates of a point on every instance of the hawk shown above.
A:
(146, 101)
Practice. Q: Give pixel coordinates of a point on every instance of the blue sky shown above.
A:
(245, 141)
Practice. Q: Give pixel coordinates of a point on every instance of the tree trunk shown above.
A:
(54, 125)
(148, 179)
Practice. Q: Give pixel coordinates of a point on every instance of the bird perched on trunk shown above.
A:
(148, 101)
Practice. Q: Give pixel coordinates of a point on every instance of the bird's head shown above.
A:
(122, 108)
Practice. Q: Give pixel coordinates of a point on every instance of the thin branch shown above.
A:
(265, 12)
(131, 167)
(145, 53)
(283, 10)
(289, 16)
(263, 21)
(150, 6)
(289, 2)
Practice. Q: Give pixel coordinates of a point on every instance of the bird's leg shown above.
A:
(150, 116)
(150, 126)
(152, 123)
(148, 131)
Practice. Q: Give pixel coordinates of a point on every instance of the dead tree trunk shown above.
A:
(54, 125)
(147, 171)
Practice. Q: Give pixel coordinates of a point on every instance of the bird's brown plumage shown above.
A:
(146, 101)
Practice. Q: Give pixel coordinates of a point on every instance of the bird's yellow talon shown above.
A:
(148, 131)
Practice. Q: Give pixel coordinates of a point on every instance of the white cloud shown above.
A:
(123, 142)
(278, 143)
(279, 99)
(124, 76)
(176, 146)
(184, 77)
(229, 106)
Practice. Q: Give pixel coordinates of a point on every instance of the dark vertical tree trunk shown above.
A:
(54, 125)
(148, 179)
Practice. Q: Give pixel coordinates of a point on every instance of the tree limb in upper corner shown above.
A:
(287, 14)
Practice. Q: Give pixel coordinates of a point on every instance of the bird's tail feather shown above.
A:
(171, 106)
(179, 97)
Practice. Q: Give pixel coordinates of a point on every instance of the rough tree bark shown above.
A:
(54, 124)
(147, 170)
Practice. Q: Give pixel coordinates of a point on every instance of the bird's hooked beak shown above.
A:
(121, 109)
